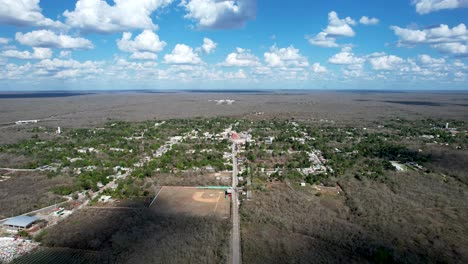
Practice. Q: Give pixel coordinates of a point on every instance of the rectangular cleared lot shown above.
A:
(191, 201)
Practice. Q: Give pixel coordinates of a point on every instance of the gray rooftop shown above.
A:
(21, 221)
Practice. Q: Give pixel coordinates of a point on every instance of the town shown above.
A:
(162, 164)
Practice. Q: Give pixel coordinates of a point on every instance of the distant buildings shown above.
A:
(87, 150)
(223, 101)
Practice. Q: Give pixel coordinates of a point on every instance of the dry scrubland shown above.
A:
(27, 191)
(415, 220)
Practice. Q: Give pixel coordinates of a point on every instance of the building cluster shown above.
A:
(87, 150)
(166, 147)
(318, 164)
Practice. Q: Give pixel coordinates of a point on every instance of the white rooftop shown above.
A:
(21, 221)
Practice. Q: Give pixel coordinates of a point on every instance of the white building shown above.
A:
(23, 122)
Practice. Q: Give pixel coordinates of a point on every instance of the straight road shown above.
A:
(236, 249)
(19, 170)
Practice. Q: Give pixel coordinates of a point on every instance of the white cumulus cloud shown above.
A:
(144, 56)
(428, 6)
(147, 41)
(220, 14)
(240, 74)
(13, 71)
(346, 57)
(208, 46)
(323, 40)
(68, 69)
(100, 17)
(57, 64)
(317, 68)
(368, 21)
(430, 61)
(65, 54)
(442, 33)
(25, 13)
(285, 57)
(182, 54)
(4, 41)
(38, 54)
(337, 27)
(452, 48)
(48, 39)
(241, 58)
(442, 37)
(386, 62)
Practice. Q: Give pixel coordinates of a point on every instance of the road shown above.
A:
(236, 249)
(18, 170)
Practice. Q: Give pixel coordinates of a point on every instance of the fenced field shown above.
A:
(191, 201)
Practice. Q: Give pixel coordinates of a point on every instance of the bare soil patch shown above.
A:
(191, 201)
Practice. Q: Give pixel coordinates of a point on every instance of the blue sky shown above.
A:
(243, 44)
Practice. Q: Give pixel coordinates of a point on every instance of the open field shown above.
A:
(89, 110)
(191, 201)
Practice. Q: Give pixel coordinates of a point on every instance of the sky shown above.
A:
(236, 44)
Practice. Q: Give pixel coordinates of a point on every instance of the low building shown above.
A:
(24, 122)
(20, 222)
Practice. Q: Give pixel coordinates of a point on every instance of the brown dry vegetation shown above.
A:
(417, 219)
(450, 162)
(8, 160)
(27, 191)
(141, 236)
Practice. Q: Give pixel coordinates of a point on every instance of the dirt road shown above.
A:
(236, 249)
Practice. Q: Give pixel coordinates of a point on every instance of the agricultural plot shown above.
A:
(191, 202)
